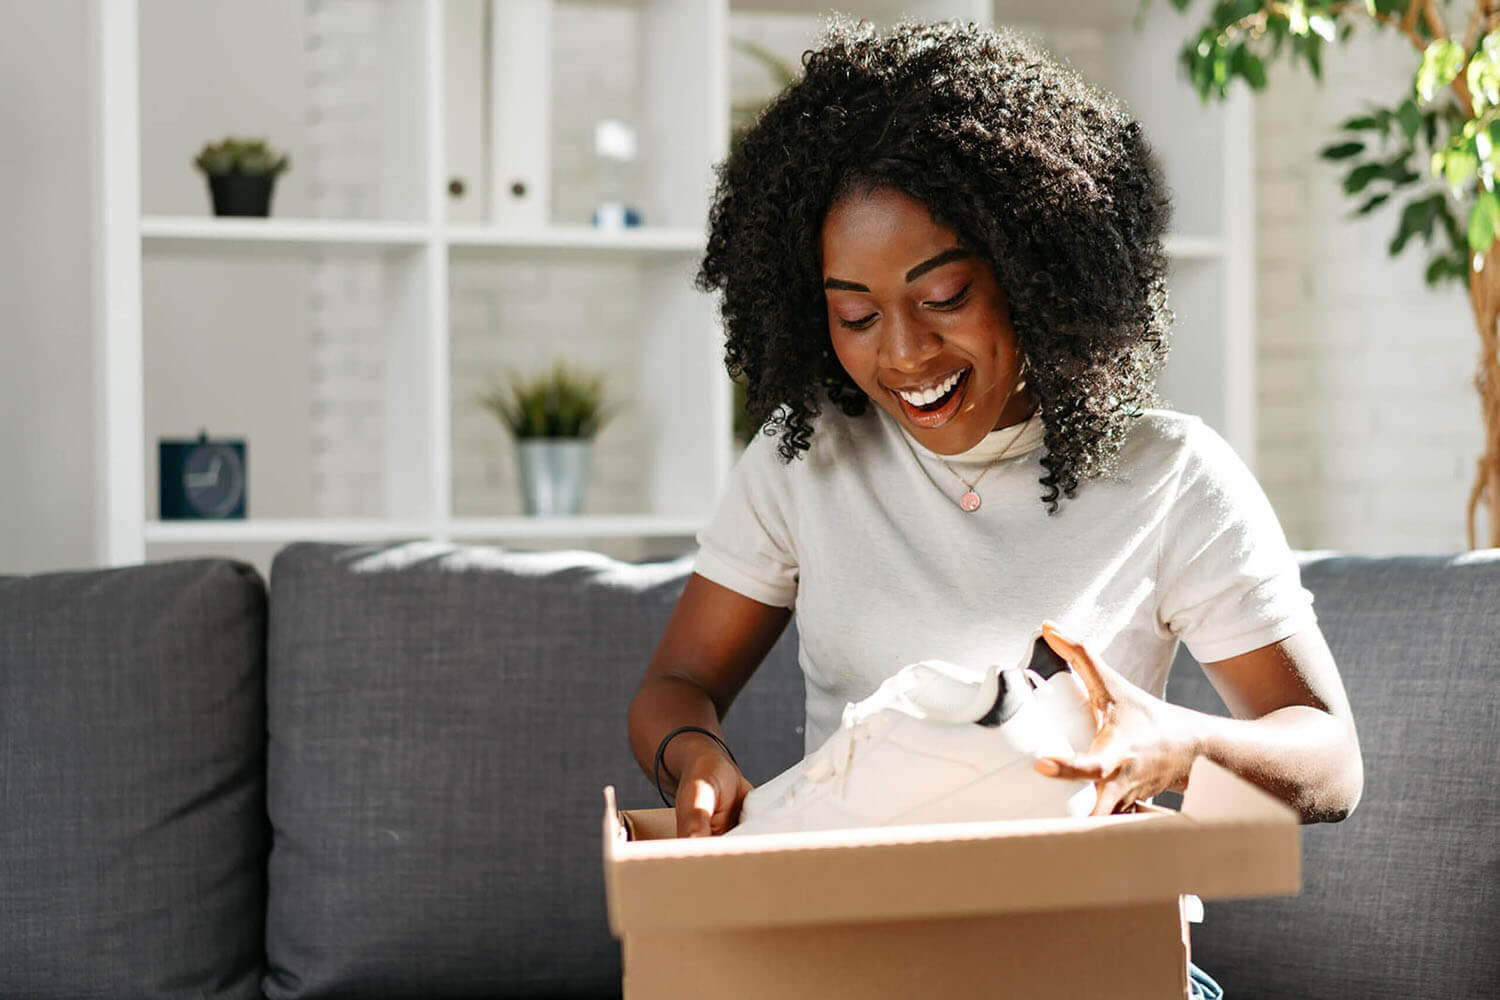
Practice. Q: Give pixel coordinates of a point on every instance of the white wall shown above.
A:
(46, 378)
(1369, 428)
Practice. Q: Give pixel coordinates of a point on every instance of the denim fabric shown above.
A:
(1204, 988)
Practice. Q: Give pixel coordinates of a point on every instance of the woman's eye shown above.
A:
(950, 303)
(953, 303)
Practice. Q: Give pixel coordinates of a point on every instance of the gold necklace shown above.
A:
(970, 500)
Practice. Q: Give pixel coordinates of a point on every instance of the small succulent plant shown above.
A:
(251, 157)
(562, 403)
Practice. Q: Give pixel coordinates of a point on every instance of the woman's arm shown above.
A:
(714, 640)
(1293, 733)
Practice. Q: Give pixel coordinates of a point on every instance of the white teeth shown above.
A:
(933, 393)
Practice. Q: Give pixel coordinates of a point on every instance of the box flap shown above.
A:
(1231, 844)
(1216, 794)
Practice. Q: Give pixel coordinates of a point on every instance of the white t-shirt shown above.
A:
(863, 537)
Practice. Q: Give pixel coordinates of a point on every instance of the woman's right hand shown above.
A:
(710, 791)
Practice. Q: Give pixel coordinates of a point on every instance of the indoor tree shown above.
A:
(1435, 151)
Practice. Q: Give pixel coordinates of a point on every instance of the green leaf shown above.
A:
(1416, 217)
(1483, 75)
(1361, 176)
(1441, 62)
(1372, 202)
(1397, 171)
(1296, 17)
(1482, 218)
(1363, 123)
(1458, 166)
(1410, 118)
(1254, 71)
(1442, 267)
(1342, 151)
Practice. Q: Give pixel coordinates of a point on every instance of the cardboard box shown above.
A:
(1087, 907)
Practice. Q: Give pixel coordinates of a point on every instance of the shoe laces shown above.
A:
(836, 756)
(861, 721)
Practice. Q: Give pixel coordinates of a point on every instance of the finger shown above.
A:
(1117, 796)
(1082, 662)
(699, 808)
(1111, 798)
(1090, 766)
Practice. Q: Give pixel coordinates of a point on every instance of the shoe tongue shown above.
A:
(947, 692)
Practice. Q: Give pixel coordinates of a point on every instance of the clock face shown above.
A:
(213, 479)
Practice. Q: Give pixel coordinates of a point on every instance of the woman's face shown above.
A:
(908, 309)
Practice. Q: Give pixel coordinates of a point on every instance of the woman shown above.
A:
(945, 223)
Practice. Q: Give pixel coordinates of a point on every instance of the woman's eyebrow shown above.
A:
(952, 253)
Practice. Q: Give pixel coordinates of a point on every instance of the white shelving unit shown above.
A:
(151, 254)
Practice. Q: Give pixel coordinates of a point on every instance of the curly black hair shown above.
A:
(1047, 177)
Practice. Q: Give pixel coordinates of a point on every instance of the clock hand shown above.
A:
(208, 478)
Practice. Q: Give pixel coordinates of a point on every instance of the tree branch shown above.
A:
(1409, 20)
(1434, 23)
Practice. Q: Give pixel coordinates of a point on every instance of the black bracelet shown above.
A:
(661, 750)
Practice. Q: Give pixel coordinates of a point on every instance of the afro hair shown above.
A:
(1047, 177)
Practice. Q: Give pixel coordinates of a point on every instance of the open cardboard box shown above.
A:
(1087, 907)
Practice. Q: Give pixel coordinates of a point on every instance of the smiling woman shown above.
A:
(945, 222)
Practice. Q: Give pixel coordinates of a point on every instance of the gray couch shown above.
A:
(381, 777)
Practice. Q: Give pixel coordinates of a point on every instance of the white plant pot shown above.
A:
(554, 474)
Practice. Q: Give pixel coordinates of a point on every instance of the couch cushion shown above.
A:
(442, 722)
(133, 833)
(1402, 899)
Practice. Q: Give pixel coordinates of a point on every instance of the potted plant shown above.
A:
(553, 418)
(241, 174)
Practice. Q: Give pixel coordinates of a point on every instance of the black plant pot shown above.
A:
(242, 194)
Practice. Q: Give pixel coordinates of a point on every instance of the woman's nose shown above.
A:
(907, 345)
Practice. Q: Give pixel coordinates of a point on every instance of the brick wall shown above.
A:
(1368, 425)
(506, 312)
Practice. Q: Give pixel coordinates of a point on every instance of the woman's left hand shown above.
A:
(1144, 745)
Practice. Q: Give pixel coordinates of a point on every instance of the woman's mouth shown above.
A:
(941, 409)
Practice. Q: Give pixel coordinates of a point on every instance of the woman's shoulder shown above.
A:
(1184, 445)
(1166, 432)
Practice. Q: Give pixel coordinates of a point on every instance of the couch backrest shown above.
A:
(1402, 899)
(133, 832)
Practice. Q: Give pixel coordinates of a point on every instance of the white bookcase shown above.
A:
(207, 321)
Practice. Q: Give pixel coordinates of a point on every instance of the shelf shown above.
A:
(184, 232)
(176, 233)
(369, 529)
(1194, 247)
(574, 238)
(285, 531)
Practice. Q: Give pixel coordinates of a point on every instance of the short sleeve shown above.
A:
(747, 545)
(1227, 580)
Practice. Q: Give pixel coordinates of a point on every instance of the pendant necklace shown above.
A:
(970, 500)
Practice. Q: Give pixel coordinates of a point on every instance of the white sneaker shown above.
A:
(939, 743)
